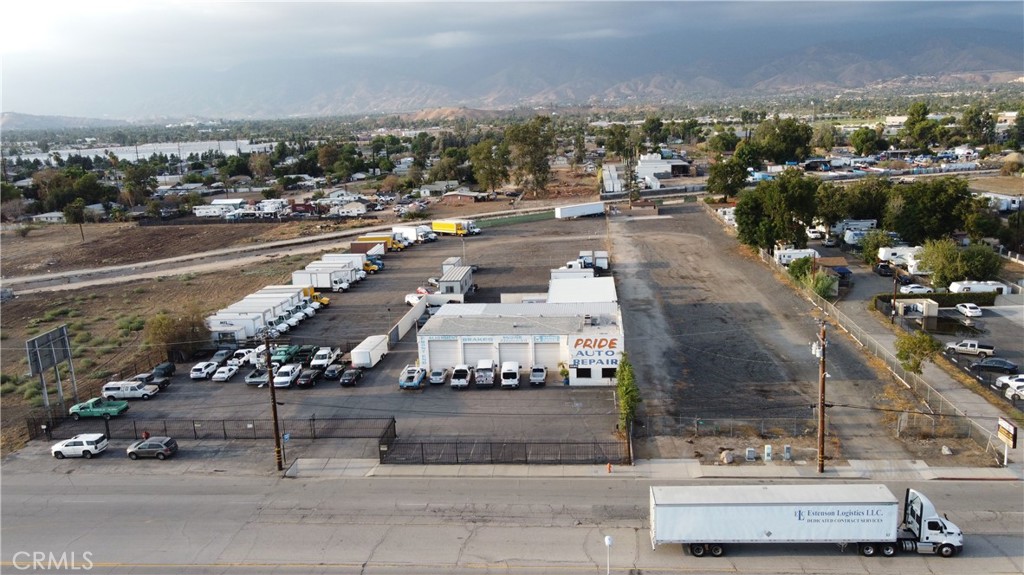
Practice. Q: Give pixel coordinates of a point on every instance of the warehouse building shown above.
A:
(585, 338)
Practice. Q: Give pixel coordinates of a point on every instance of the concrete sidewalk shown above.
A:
(659, 469)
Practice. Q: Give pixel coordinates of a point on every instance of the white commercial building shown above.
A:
(585, 338)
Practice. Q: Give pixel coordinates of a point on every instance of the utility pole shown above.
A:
(273, 403)
(822, 344)
(895, 282)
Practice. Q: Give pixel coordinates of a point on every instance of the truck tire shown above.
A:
(867, 549)
(87, 454)
(111, 398)
(946, 551)
(717, 550)
(58, 455)
(75, 416)
(145, 397)
(106, 416)
(697, 550)
(888, 550)
(982, 354)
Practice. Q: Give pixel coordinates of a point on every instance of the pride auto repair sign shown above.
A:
(595, 352)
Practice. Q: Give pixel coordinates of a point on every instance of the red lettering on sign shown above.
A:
(596, 343)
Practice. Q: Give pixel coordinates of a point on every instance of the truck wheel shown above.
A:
(87, 454)
(75, 416)
(947, 551)
(982, 354)
(697, 550)
(145, 397)
(106, 416)
(717, 550)
(58, 455)
(111, 398)
(888, 550)
(867, 549)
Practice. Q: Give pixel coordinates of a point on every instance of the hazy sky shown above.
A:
(56, 53)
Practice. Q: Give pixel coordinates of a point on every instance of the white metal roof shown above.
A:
(456, 273)
(582, 290)
(565, 309)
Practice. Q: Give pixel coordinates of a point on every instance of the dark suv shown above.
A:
(884, 270)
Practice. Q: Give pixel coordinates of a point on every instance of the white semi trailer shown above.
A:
(704, 519)
(370, 351)
(579, 210)
(334, 280)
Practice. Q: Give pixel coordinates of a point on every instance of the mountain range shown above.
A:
(664, 69)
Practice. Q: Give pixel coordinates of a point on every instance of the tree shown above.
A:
(579, 149)
(615, 143)
(831, 204)
(724, 141)
(978, 125)
(912, 349)
(871, 242)
(948, 263)
(444, 169)
(653, 130)
(865, 141)
(726, 178)
(139, 181)
(927, 209)
(260, 166)
(776, 211)
(74, 213)
(783, 140)
(628, 392)
(530, 145)
(178, 334)
(490, 163)
(825, 136)
(918, 131)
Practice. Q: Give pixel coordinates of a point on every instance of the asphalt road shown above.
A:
(154, 523)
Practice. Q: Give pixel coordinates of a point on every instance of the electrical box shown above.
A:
(787, 453)
(751, 454)
(767, 452)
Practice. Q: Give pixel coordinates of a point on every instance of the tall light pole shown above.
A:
(819, 350)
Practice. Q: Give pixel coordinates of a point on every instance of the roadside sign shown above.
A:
(286, 437)
(1007, 433)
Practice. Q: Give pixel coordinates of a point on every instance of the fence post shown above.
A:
(312, 426)
(423, 457)
(224, 428)
(106, 427)
(195, 434)
(135, 429)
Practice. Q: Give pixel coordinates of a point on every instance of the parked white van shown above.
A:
(510, 374)
(485, 373)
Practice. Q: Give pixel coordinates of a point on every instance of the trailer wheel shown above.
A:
(867, 549)
(717, 550)
(888, 550)
(697, 550)
(946, 551)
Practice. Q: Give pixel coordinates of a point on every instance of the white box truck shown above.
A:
(334, 280)
(370, 351)
(351, 268)
(359, 261)
(703, 519)
(271, 317)
(579, 210)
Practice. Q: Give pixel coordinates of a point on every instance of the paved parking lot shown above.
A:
(511, 259)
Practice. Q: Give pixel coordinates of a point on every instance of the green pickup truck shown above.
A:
(284, 354)
(98, 407)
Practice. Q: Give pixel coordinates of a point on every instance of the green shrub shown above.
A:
(8, 387)
(86, 363)
(36, 401)
(31, 392)
(81, 338)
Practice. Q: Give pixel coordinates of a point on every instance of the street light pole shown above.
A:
(608, 548)
(821, 398)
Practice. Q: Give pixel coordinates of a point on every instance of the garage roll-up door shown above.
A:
(474, 352)
(443, 353)
(547, 354)
(515, 352)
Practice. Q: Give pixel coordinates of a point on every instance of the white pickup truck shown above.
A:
(971, 347)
